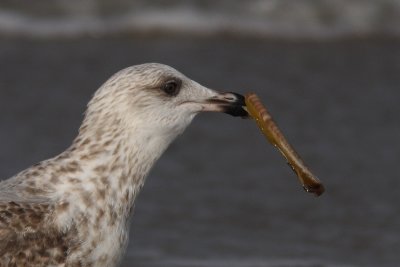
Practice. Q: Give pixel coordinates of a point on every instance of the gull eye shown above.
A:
(171, 87)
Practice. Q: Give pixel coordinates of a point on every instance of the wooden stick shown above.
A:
(271, 131)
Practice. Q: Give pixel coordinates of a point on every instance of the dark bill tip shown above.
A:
(230, 103)
(236, 111)
(236, 107)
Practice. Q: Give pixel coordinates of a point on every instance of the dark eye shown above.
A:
(171, 87)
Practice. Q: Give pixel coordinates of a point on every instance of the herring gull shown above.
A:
(74, 209)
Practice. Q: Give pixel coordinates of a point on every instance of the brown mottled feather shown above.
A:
(27, 237)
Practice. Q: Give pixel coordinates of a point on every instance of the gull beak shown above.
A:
(229, 103)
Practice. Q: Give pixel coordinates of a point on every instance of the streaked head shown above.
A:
(159, 98)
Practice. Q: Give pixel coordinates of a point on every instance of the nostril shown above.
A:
(237, 98)
(229, 98)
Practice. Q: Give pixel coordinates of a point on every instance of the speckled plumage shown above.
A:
(74, 209)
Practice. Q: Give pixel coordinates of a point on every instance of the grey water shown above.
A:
(221, 195)
(278, 18)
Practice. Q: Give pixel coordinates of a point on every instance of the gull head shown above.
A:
(156, 98)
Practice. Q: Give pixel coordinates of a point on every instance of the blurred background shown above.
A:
(221, 195)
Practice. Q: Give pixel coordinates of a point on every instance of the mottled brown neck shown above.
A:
(116, 160)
